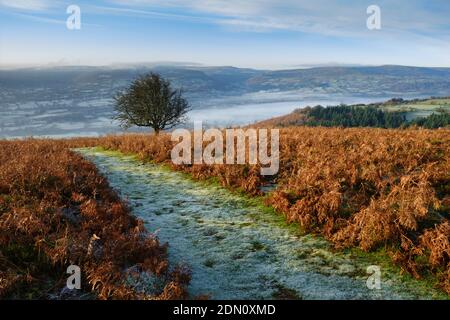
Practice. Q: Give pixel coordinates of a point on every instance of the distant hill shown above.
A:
(369, 81)
(395, 113)
(363, 81)
(78, 100)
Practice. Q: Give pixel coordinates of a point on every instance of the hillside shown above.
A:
(78, 101)
(368, 188)
(430, 113)
(56, 210)
(384, 192)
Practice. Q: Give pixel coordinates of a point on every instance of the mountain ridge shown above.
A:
(68, 100)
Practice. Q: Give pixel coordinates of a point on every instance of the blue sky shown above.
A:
(245, 33)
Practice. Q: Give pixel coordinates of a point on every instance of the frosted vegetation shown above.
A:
(237, 248)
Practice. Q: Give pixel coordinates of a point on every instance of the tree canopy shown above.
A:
(370, 116)
(151, 102)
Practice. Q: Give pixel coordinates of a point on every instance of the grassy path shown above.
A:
(236, 248)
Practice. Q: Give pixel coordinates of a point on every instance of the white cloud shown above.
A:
(40, 19)
(109, 10)
(337, 17)
(32, 5)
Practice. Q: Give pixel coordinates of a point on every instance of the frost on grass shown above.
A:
(238, 250)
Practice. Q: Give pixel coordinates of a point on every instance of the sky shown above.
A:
(265, 34)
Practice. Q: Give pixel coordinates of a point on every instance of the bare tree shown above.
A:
(151, 102)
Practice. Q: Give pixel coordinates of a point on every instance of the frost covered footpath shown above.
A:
(235, 248)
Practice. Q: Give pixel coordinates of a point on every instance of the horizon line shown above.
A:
(203, 65)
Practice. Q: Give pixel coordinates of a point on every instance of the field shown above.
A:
(420, 108)
(372, 189)
(421, 105)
